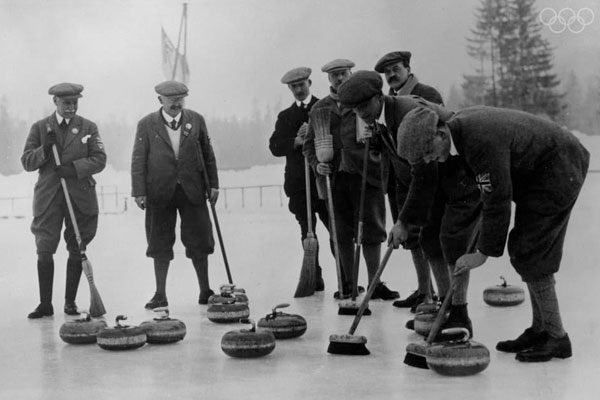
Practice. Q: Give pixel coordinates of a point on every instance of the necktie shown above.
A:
(173, 124)
(303, 106)
(63, 124)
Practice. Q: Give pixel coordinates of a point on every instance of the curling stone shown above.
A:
(423, 322)
(227, 311)
(83, 330)
(461, 357)
(226, 292)
(283, 325)
(503, 295)
(428, 307)
(163, 329)
(122, 337)
(248, 343)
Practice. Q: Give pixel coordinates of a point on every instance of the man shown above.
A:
(346, 171)
(423, 242)
(458, 192)
(167, 176)
(286, 141)
(521, 158)
(81, 155)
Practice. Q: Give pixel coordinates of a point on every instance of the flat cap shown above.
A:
(360, 87)
(66, 90)
(392, 58)
(415, 134)
(337, 64)
(296, 75)
(171, 88)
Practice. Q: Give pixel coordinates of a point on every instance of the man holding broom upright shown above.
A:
(286, 141)
(346, 171)
(167, 177)
(81, 154)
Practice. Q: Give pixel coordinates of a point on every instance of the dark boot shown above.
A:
(410, 324)
(409, 301)
(158, 300)
(45, 270)
(552, 347)
(384, 293)
(72, 284)
(161, 269)
(526, 340)
(320, 285)
(457, 318)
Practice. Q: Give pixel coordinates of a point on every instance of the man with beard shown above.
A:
(286, 141)
(346, 173)
(81, 155)
(167, 177)
(423, 242)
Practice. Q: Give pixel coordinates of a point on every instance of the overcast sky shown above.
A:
(237, 49)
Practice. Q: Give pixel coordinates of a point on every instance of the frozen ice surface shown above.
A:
(265, 255)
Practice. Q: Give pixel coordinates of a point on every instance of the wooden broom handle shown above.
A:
(308, 195)
(361, 215)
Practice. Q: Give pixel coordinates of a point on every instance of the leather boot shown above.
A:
(320, 284)
(526, 340)
(45, 270)
(72, 284)
(552, 347)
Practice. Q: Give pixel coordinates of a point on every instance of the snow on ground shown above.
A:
(264, 252)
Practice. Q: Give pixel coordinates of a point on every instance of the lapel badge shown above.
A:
(484, 182)
(74, 131)
(85, 139)
(186, 131)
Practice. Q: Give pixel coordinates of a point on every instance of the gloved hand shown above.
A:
(398, 234)
(66, 171)
(49, 142)
(303, 129)
(214, 195)
(324, 168)
(141, 202)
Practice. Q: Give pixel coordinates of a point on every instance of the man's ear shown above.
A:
(159, 99)
(54, 100)
(309, 83)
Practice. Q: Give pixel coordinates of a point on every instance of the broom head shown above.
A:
(308, 273)
(320, 120)
(348, 344)
(350, 307)
(324, 149)
(416, 355)
(96, 306)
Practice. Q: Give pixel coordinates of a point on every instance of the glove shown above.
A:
(66, 171)
(303, 129)
(324, 168)
(50, 141)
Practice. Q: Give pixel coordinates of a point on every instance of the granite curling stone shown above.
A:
(163, 329)
(227, 311)
(81, 331)
(424, 322)
(283, 326)
(248, 343)
(121, 337)
(503, 295)
(226, 292)
(462, 357)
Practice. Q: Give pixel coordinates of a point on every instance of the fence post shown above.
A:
(261, 195)
(243, 197)
(102, 196)
(280, 197)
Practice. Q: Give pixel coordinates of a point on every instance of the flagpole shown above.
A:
(183, 17)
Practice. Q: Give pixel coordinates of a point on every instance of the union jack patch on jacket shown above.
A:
(484, 183)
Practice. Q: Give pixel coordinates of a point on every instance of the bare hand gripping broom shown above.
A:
(324, 150)
(96, 306)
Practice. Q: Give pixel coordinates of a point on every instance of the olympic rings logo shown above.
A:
(566, 18)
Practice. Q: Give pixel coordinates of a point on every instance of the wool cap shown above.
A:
(296, 75)
(392, 58)
(416, 133)
(171, 88)
(66, 90)
(360, 87)
(337, 64)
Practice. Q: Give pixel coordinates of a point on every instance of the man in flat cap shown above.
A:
(286, 141)
(171, 154)
(521, 158)
(459, 192)
(346, 171)
(81, 155)
(423, 242)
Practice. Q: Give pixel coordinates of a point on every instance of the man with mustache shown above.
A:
(423, 242)
(81, 155)
(167, 178)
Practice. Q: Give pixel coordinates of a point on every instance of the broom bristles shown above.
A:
(320, 119)
(96, 305)
(348, 345)
(308, 273)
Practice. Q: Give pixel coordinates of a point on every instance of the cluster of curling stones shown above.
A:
(230, 305)
(160, 330)
(503, 295)
(258, 342)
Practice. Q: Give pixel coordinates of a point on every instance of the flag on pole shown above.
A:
(171, 58)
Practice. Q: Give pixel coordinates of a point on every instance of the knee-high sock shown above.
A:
(441, 274)
(72, 278)
(422, 270)
(461, 286)
(545, 295)
(161, 268)
(45, 270)
(201, 267)
(372, 256)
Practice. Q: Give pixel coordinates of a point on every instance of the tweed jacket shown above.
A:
(516, 156)
(281, 144)
(155, 171)
(429, 93)
(345, 145)
(81, 145)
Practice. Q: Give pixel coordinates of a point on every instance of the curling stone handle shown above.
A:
(504, 284)
(282, 305)
(163, 310)
(85, 316)
(249, 321)
(456, 331)
(227, 287)
(119, 319)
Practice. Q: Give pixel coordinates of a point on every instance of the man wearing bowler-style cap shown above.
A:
(286, 141)
(81, 155)
(423, 242)
(346, 172)
(167, 178)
